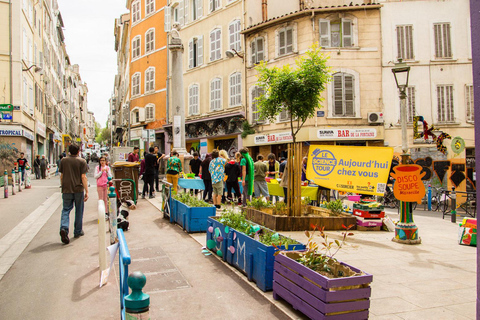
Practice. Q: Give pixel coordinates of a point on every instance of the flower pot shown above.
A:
(192, 219)
(318, 296)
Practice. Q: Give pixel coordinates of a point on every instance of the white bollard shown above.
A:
(102, 246)
(13, 182)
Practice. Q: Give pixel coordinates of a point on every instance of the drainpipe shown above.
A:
(10, 48)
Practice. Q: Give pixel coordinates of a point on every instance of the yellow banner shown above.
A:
(361, 170)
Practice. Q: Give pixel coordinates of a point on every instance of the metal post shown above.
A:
(19, 177)
(102, 247)
(13, 181)
(5, 184)
(137, 303)
(429, 197)
(453, 197)
(112, 216)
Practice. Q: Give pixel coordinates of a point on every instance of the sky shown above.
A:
(90, 41)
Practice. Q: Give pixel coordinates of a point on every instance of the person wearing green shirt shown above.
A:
(246, 163)
(174, 167)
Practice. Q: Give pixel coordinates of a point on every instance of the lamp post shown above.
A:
(405, 231)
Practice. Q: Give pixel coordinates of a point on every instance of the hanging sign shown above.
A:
(351, 169)
(6, 107)
(408, 183)
(458, 145)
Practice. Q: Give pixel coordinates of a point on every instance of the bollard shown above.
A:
(19, 179)
(453, 197)
(102, 247)
(429, 197)
(5, 184)
(112, 216)
(13, 182)
(137, 303)
(28, 183)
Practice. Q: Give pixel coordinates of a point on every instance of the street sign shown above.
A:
(320, 113)
(7, 116)
(6, 107)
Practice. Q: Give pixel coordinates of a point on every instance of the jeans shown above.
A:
(23, 173)
(246, 196)
(233, 185)
(207, 195)
(156, 178)
(148, 178)
(69, 199)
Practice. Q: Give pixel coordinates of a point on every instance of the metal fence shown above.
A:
(124, 261)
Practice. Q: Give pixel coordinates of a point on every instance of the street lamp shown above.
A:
(37, 69)
(406, 226)
(232, 53)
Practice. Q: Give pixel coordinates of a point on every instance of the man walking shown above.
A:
(73, 178)
(217, 171)
(36, 167)
(159, 156)
(43, 166)
(260, 185)
(22, 163)
(150, 161)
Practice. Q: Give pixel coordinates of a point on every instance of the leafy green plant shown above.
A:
(280, 207)
(8, 154)
(190, 200)
(247, 129)
(335, 206)
(259, 204)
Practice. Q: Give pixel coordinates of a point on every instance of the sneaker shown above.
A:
(79, 235)
(151, 196)
(218, 206)
(143, 196)
(64, 236)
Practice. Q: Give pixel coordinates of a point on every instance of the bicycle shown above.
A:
(390, 201)
(439, 199)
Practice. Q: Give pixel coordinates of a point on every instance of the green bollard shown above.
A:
(5, 184)
(137, 303)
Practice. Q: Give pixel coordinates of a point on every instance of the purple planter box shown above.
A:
(316, 296)
(369, 222)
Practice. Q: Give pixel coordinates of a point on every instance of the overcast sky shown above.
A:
(90, 44)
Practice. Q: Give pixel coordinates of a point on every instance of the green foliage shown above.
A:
(8, 154)
(268, 237)
(247, 129)
(280, 207)
(259, 204)
(297, 90)
(335, 206)
(104, 135)
(190, 200)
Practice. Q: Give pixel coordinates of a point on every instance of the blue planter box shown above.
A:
(192, 219)
(248, 255)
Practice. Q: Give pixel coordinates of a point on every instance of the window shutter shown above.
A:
(199, 8)
(437, 29)
(400, 41)
(186, 11)
(338, 95)
(289, 41)
(409, 37)
(231, 33)
(217, 4)
(190, 54)
(324, 33)
(212, 45)
(349, 95)
(167, 17)
(181, 19)
(281, 42)
(283, 114)
(232, 89)
(219, 43)
(196, 94)
(260, 50)
(200, 51)
(238, 93)
(190, 100)
(347, 33)
(141, 114)
(212, 5)
(254, 51)
(212, 94)
(446, 39)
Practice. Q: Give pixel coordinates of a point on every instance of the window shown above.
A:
(216, 94)
(256, 93)
(180, 12)
(137, 116)
(149, 6)
(257, 50)
(285, 41)
(215, 44)
(443, 45)
(136, 11)
(235, 89)
(336, 33)
(343, 95)
(234, 35)
(469, 103)
(405, 42)
(193, 98)
(195, 52)
(445, 103)
(136, 84)
(25, 46)
(167, 17)
(150, 79)
(410, 104)
(214, 5)
(136, 47)
(150, 112)
(150, 40)
(284, 115)
(197, 9)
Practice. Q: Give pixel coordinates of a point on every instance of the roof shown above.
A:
(308, 11)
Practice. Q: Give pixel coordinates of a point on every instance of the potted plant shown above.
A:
(190, 212)
(318, 285)
(247, 246)
(261, 205)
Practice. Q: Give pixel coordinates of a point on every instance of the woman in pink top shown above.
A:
(102, 172)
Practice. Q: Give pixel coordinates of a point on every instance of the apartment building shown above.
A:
(147, 72)
(45, 90)
(350, 36)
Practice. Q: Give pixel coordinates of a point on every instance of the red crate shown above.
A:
(369, 214)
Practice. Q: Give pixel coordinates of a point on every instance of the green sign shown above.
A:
(458, 144)
(6, 107)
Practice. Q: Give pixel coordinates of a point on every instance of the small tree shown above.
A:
(8, 154)
(296, 91)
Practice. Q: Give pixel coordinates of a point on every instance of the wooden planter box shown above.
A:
(317, 296)
(286, 223)
(248, 255)
(192, 219)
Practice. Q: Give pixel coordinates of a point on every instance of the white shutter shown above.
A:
(232, 89)
(212, 5)
(186, 10)
(324, 33)
(283, 114)
(337, 95)
(289, 40)
(167, 18)
(200, 51)
(281, 42)
(347, 33)
(254, 51)
(181, 6)
(190, 100)
(141, 114)
(212, 45)
(349, 95)
(218, 4)
(231, 35)
(199, 8)
(196, 99)
(190, 54)
(219, 43)
(260, 50)
(212, 94)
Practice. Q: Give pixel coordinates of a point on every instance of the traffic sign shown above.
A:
(6, 107)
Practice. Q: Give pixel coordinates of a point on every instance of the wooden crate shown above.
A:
(369, 214)
(320, 297)
(361, 228)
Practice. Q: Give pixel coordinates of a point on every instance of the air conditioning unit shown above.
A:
(375, 117)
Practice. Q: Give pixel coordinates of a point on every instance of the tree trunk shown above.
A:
(294, 191)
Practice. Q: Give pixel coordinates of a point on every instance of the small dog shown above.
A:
(123, 212)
